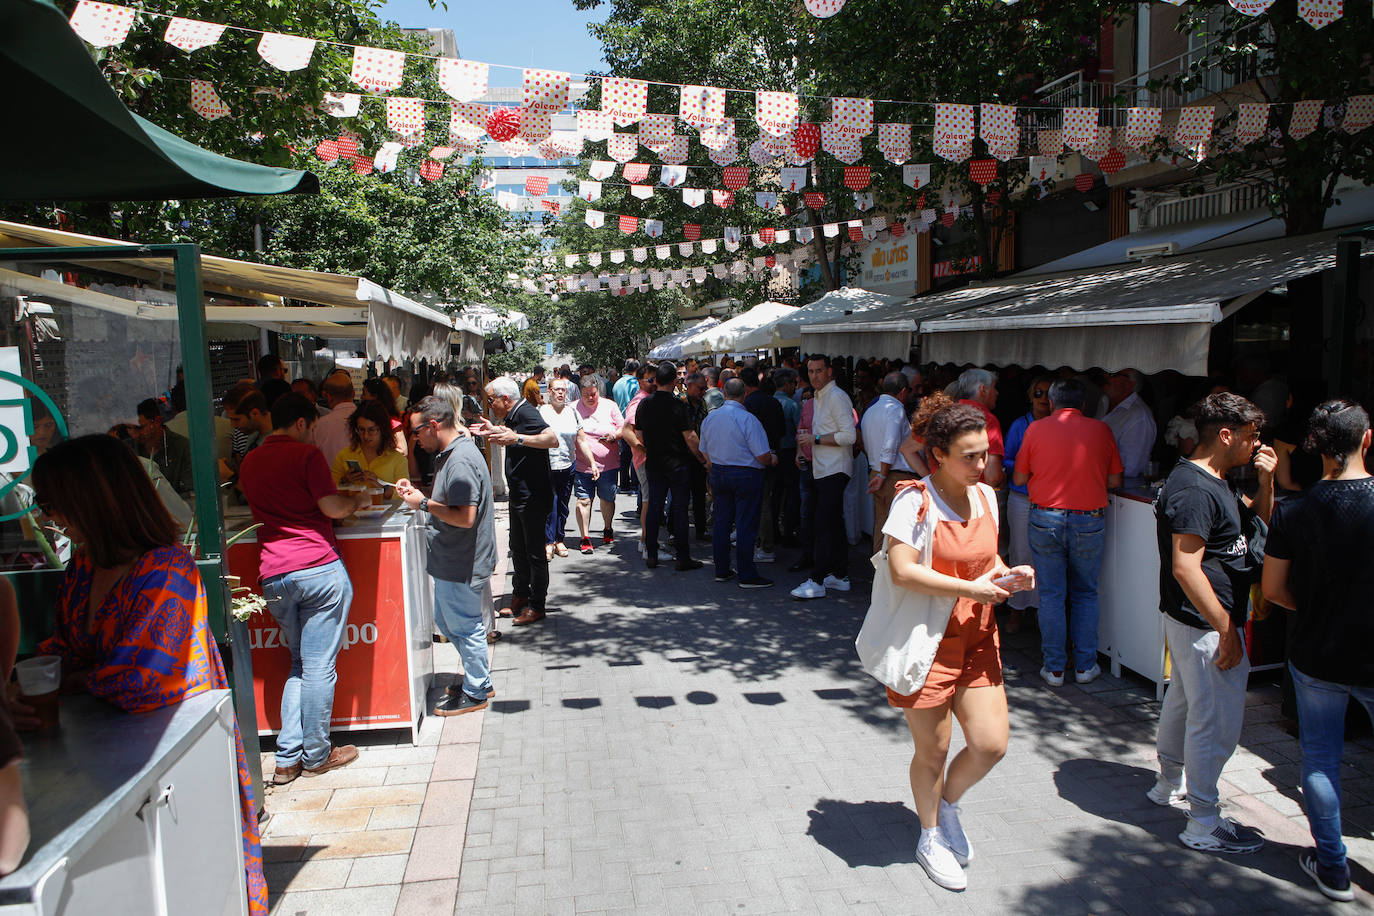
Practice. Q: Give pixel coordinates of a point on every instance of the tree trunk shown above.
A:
(827, 272)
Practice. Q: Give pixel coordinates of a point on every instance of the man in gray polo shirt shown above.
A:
(461, 542)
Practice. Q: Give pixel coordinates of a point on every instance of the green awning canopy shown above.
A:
(71, 138)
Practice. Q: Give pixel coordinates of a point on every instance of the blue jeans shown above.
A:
(677, 483)
(557, 522)
(311, 607)
(1067, 553)
(1321, 731)
(738, 497)
(458, 615)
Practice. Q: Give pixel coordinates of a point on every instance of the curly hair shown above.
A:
(1336, 429)
(951, 423)
(931, 404)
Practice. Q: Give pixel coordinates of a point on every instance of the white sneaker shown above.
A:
(839, 585)
(1087, 677)
(763, 556)
(954, 835)
(1224, 835)
(938, 860)
(1165, 795)
(809, 589)
(1053, 678)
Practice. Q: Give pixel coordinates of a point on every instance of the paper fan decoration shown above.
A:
(503, 124)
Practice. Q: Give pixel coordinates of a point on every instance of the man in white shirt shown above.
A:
(884, 428)
(831, 438)
(1132, 423)
(330, 433)
(737, 452)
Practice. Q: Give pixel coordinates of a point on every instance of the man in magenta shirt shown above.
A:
(1069, 462)
(287, 483)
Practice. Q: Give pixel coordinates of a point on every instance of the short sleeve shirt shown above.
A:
(457, 554)
(1195, 502)
(1069, 458)
(902, 521)
(527, 469)
(662, 419)
(1328, 536)
(603, 421)
(284, 481)
(995, 445)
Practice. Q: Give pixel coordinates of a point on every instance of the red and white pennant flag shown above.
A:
(463, 80)
(377, 69)
(191, 34)
(288, 52)
(101, 24)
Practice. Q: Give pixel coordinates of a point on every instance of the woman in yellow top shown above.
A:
(374, 452)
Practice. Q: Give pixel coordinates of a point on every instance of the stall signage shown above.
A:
(889, 267)
(17, 395)
(958, 266)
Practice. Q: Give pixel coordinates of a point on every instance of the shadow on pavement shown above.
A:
(865, 833)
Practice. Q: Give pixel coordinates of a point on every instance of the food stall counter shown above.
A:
(386, 665)
(132, 813)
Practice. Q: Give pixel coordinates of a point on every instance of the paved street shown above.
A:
(664, 743)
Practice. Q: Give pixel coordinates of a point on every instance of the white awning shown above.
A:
(728, 336)
(397, 327)
(838, 305)
(669, 346)
(872, 339)
(1151, 316)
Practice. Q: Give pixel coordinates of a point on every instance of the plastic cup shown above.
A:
(39, 680)
(377, 494)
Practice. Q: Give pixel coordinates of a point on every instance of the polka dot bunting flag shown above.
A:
(593, 125)
(1320, 13)
(463, 80)
(1253, 121)
(1194, 127)
(726, 154)
(1143, 125)
(856, 177)
(1084, 182)
(983, 171)
(953, 131)
(431, 170)
(1080, 127)
(191, 34)
(720, 136)
(853, 117)
(622, 147)
(1252, 7)
(206, 102)
(404, 115)
(1305, 115)
(287, 52)
(535, 124)
(546, 90)
(676, 152)
(377, 69)
(328, 150)
(894, 142)
(806, 140)
(736, 177)
(723, 199)
(624, 99)
(776, 112)
(701, 106)
(1359, 113)
(635, 171)
(101, 24)
(1113, 162)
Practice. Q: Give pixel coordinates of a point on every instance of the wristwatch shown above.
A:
(424, 504)
(519, 440)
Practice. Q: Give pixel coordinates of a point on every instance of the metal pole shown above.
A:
(1345, 293)
(195, 353)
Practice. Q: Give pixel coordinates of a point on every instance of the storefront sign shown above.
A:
(890, 267)
(958, 266)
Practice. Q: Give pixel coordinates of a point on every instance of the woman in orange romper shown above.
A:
(966, 677)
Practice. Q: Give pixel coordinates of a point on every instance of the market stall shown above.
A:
(387, 668)
(729, 336)
(670, 346)
(842, 305)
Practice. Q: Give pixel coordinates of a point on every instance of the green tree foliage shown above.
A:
(1292, 61)
(440, 240)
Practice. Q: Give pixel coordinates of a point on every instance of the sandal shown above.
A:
(561, 549)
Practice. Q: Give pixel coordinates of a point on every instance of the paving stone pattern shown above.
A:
(666, 744)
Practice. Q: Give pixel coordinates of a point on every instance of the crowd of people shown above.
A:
(754, 457)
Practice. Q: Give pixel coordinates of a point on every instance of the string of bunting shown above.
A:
(624, 103)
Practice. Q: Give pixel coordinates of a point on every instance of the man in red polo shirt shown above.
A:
(1069, 462)
(978, 388)
(292, 494)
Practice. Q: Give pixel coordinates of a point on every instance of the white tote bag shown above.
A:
(902, 631)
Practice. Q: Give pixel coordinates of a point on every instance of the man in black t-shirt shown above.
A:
(527, 439)
(1319, 561)
(670, 446)
(1204, 582)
